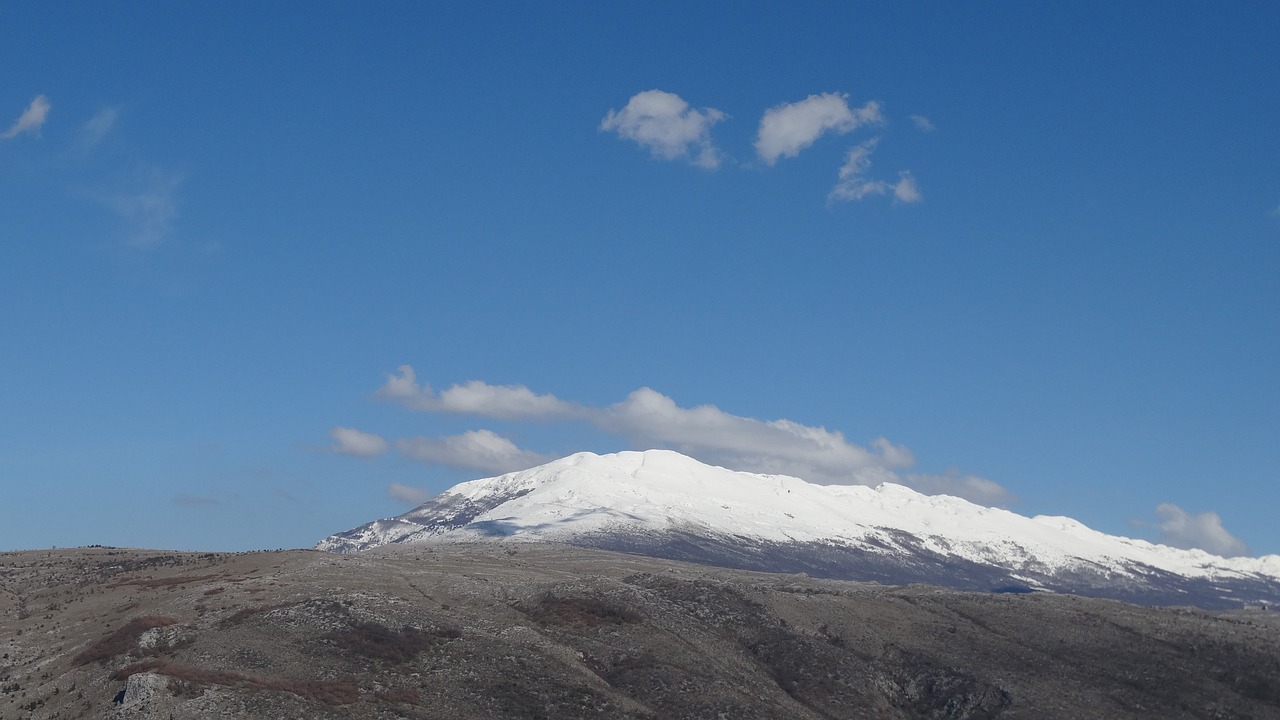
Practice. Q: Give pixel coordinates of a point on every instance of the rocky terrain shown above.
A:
(532, 630)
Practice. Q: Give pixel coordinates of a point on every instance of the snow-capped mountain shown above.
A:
(663, 504)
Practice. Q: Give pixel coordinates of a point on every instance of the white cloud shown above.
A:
(349, 441)
(505, 402)
(406, 494)
(647, 419)
(894, 455)
(1204, 531)
(98, 126)
(787, 129)
(402, 387)
(970, 487)
(478, 449)
(923, 124)
(31, 119)
(664, 123)
(906, 190)
(508, 402)
(853, 184)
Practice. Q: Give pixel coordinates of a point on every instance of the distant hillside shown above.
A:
(663, 504)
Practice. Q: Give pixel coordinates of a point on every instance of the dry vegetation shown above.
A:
(243, 614)
(553, 609)
(191, 681)
(554, 632)
(377, 641)
(123, 640)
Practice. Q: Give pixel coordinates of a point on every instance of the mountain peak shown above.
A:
(663, 503)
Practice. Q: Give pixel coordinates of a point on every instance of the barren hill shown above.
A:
(549, 631)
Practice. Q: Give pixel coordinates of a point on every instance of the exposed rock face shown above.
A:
(549, 631)
(145, 697)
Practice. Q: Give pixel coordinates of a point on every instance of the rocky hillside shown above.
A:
(547, 631)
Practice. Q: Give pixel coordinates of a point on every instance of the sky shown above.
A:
(274, 270)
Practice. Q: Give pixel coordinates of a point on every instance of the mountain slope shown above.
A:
(663, 504)
(513, 631)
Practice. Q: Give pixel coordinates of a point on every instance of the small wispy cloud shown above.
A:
(408, 494)
(1204, 531)
(664, 123)
(970, 487)
(98, 127)
(31, 120)
(350, 441)
(647, 418)
(504, 402)
(478, 449)
(923, 124)
(147, 204)
(906, 190)
(853, 183)
(787, 129)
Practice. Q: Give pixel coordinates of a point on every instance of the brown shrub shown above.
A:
(163, 582)
(242, 615)
(123, 640)
(405, 695)
(190, 679)
(329, 692)
(135, 668)
(395, 646)
(579, 611)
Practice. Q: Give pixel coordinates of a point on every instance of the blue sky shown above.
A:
(1023, 254)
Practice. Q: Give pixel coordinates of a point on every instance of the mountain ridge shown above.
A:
(664, 504)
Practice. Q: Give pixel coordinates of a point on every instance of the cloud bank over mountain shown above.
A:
(1182, 529)
(645, 419)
